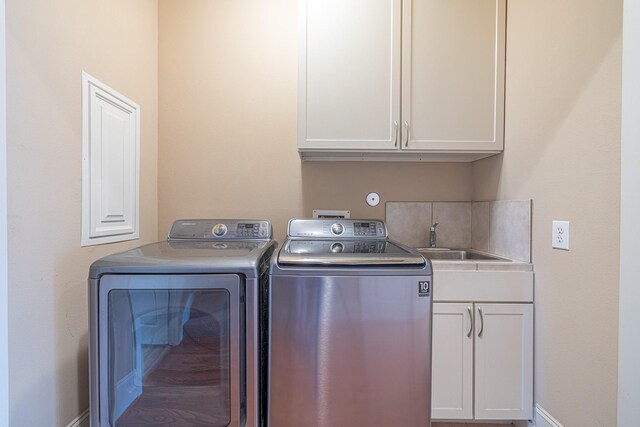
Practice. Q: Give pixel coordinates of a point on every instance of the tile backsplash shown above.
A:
(480, 220)
(510, 229)
(500, 227)
(454, 224)
(409, 222)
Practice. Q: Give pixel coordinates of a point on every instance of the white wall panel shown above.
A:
(110, 165)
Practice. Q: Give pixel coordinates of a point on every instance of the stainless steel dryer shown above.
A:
(175, 328)
(349, 328)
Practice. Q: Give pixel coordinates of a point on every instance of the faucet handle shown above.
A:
(433, 226)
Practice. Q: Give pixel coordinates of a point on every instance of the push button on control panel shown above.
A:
(251, 230)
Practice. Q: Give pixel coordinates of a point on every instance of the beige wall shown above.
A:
(562, 150)
(227, 136)
(48, 46)
(225, 74)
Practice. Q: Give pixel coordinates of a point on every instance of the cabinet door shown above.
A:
(453, 74)
(349, 74)
(504, 361)
(452, 362)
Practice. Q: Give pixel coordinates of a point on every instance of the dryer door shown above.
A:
(170, 349)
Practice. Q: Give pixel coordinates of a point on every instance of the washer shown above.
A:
(175, 331)
(349, 328)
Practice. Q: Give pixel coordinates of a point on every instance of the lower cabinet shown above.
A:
(452, 361)
(482, 361)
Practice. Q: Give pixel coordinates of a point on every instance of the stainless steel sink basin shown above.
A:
(457, 254)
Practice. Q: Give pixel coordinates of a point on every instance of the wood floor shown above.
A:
(189, 386)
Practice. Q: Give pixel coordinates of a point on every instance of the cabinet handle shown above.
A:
(395, 132)
(470, 322)
(481, 322)
(406, 137)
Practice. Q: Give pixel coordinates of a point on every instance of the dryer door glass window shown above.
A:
(169, 357)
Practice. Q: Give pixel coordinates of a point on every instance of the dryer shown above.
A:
(175, 328)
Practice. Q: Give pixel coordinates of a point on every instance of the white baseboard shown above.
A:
(81, 420)
(544, 419)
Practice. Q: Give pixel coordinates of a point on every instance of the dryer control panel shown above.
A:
(332, 228)
(220, 229)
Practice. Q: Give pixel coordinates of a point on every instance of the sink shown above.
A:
(458, 254)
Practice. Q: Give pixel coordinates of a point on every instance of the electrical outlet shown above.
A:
(560, 235)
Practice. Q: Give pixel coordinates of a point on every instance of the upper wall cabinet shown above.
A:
(349, 75)
(414, 80)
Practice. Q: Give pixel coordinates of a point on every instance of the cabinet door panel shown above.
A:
(452, 362)
(504, 361)
(349, 75)
(453, 74)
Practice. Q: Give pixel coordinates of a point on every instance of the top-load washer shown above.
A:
(349, 328)
(175, 328)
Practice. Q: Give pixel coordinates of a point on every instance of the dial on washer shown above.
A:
(337, 228)
(219, 230)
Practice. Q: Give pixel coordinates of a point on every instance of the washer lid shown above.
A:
(348, 252)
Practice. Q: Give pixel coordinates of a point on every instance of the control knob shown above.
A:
(219, 230)
(337, 228)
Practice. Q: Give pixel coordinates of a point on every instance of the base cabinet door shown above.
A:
(503, 361)
(452, 361)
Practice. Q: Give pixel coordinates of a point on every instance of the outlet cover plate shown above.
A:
(560, 235)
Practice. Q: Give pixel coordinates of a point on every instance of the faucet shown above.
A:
(432, 235)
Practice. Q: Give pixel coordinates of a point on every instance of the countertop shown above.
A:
(481, 265)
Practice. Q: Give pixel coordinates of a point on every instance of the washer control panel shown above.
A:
(332, 228)
(220, 229)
